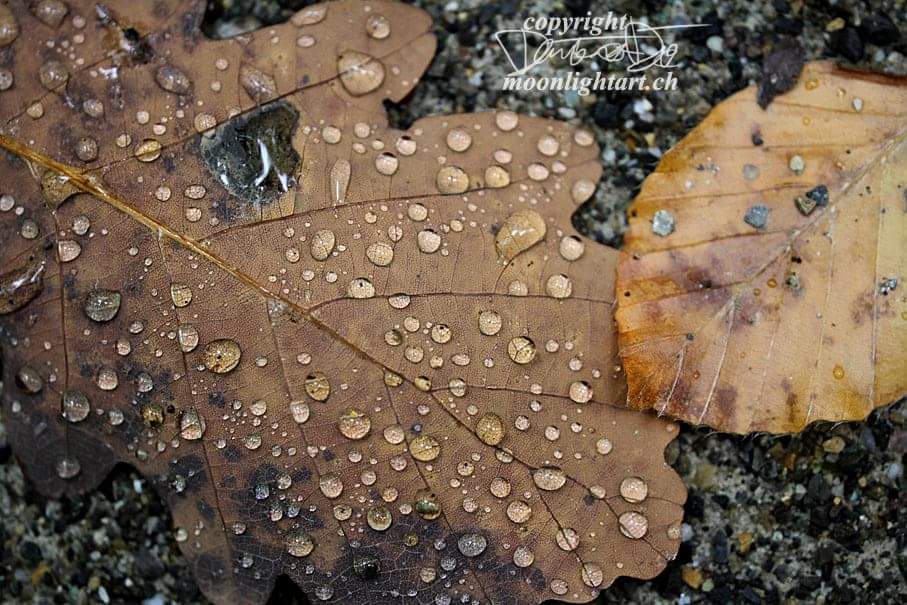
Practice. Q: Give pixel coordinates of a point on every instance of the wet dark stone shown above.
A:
(789, 26)
(780, 70)
(695, 507)
(252, 156)
(720, 547)
(848, 44)
(819, 195)
(30, 551)
(606, 114)
(711, 26)
(818, 490)
(577, 8)
(148, 564)
(756, 216)
(225, 19)
(879, 29)
(825, 554)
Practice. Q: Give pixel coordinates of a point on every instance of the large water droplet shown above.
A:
(387, 164)
(300, 411)
(426, 505)
(318, 386)
(379, 518)
(361, 288)
(548, 145)
(428, 240)
(519, 512)
(496, 177)
(500, 487)
(559, 286)
(52, 73)
(490, 429)
(340, 180)
(520, 231)
(259, 85)
(76, 406)
(9, 27)
(458, 139)
(172, 80)
(20, 286)
(252, 155)
(472, 545)
(549, 478)
(331, 486)
(355, 424)
(29, 380)
(87, 149)
(490, 322)
(180, 294)
(322, 244)
(380, 254)
(378, 27)
(580, 392)
(506, 120)
(571, 247)
(187, 335)
(521, 350)
(523, 557)
(424, 448)
(593, 576)
(192, 425)
(102, 305)
(67, 468)
(451, 179)
(360, 73)
(300, 544)
(634, 489)
(633, 525)
(68, 250)
(222, 355)
(567, 538)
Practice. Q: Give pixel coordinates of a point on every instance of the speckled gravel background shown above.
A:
(818, 518)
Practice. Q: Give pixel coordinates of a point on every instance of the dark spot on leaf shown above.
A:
(232, 453)
(205, 509)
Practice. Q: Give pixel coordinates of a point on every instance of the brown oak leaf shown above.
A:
(377, 362)
(762, 284)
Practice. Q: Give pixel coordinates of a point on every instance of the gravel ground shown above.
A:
(817, 518)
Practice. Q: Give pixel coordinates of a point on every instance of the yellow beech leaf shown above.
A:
(762, 283)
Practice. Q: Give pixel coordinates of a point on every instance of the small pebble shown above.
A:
(663, 223)
(757, 216)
